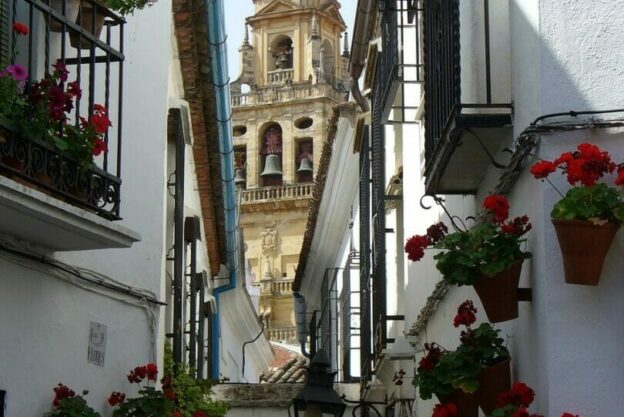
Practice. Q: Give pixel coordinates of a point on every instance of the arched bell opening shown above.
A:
(304, 160)
(271, 156)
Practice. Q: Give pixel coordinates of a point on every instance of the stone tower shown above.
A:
(292, 74)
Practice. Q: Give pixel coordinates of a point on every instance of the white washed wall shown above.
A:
(567, 342)
(45, 322)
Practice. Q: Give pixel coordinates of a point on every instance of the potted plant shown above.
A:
(93, 13)
(589, 215)
(67, 8)
(472, 375)
(39, 112)
(451, 376)
(487, 348)
(488, 256)
(181, 396)
(516, 401)
(67, 404)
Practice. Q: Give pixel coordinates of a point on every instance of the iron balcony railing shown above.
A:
(400, 60)
(95, 62)
(442, 68)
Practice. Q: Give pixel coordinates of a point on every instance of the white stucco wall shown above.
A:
(566, 342)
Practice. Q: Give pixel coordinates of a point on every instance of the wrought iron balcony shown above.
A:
(399, 68)
(95, 63)
(466, 108)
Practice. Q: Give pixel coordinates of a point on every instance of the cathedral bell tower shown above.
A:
(292, 74)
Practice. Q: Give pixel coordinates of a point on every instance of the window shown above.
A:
(271, 155)
(304, 160)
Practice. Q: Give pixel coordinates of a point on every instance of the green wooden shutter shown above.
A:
(5, 38)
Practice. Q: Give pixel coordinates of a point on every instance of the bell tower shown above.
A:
(292, 74)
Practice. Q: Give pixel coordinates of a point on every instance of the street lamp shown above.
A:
(318, 398)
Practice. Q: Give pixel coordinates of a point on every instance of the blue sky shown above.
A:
(237, 10)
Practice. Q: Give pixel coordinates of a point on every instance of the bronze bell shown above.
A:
(305, 166)
(239, 177)
(272, 166)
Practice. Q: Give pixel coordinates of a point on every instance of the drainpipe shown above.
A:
(359, 49)
(215, 30)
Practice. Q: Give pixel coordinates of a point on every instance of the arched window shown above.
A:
(271, 155)
(328, 61)
(304, 161)
(282, 53)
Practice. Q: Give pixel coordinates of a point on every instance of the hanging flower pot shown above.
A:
(597, 209)
(584, 246)
(492, 381)
(91, 18)
(71, 13)
(499, 294)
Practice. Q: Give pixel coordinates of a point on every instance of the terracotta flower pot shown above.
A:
(85, 19)
(71, 12)
(492, 381)
(499, 294)
(467, 404)
(584, 246)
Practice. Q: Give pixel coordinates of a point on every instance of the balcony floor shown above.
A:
(31, 216)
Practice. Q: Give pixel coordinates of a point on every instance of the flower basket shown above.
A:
(86, 20)
(467, 404)
(584, 246)
(492, 381)
(72, 7)
(499, 294)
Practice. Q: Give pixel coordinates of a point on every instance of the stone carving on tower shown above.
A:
(293, 71)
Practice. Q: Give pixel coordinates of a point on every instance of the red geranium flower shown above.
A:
(152, 369)
(20, 28)
(199, 413)
(466, 314)
(498, 206)
(176, 413)
(100, 123)
(61, 392)
(169, 394)
(436, 232)
(517, 226)
(542, 169)
(99, 146)
(569, 415)
(60, 70)
(620, 179)
(445, 410)
(415, 247)
(73, 88)
(431, 359)
(520, 395)
(116, 398)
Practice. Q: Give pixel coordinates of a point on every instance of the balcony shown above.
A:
(278, 197)
(282, 287)
(281, 76)
(286, 94)
(398, 67)
(285, 334)
(468, 111)
(52, 173)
